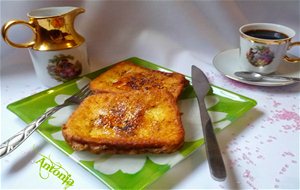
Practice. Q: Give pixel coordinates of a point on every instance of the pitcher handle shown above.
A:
(292, 59)
(9, 24)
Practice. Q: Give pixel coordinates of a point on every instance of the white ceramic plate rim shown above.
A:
(227, 62)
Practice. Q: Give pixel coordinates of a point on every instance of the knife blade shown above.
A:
(216, 164)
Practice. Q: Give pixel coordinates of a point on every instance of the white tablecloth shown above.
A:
(261, 149)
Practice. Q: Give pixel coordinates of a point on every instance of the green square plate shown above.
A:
(131, 171)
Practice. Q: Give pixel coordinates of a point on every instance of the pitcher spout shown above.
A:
(55, 28)
(54, 12)
(77, 10)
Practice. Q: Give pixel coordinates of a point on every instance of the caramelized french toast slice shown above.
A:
(134, 122)
(126, 76)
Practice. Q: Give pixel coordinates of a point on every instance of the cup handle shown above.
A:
(9, 24)
(292, 59)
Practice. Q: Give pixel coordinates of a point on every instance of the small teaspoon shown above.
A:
(253, 76)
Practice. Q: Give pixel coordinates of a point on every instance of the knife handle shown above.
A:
(214, 156)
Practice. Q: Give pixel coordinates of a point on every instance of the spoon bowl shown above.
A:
(251, 76)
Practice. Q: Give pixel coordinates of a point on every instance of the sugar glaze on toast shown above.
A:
(126, 76)
(132, 122)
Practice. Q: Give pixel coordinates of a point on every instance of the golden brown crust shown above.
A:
(133, 122)
(126, 76)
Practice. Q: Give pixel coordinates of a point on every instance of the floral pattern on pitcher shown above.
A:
(64, 67)
(57, 22)
(260, 56)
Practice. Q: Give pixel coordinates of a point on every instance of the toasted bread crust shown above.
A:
(126, 76)
(133, 122)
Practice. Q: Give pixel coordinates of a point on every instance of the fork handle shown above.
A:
(13, 142)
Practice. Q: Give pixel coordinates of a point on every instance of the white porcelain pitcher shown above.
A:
(58, 52)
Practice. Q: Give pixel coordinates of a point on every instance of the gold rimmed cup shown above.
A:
(263, 46)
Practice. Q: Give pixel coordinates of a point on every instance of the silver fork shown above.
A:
(12, 143)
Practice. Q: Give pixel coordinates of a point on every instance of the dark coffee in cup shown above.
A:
(266, 34)
(264, 46)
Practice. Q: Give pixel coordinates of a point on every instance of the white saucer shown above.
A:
(228, 62)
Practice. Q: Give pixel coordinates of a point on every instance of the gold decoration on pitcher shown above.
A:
(52, 30)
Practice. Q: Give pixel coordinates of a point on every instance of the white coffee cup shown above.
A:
(264, 46)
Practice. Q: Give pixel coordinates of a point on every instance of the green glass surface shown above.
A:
(29, 108)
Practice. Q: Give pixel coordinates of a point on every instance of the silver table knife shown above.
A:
(216, 164)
